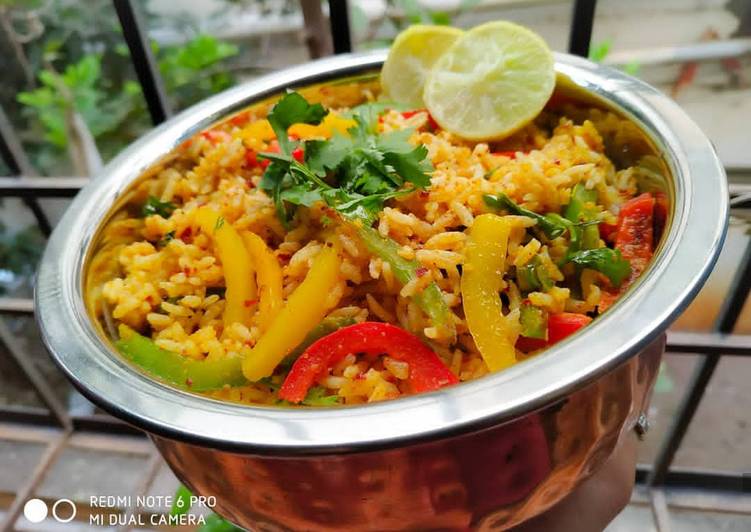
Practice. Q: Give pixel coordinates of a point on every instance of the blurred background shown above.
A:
(71, 100)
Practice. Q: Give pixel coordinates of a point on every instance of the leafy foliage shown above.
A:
(191, 72)
(78, 88)
(116, 115)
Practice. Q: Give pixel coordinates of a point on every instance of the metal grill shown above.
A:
(659, 484)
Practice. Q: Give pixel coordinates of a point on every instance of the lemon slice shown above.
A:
(490, 82)
(413, 53)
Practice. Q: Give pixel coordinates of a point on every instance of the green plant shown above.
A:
(116, 114)
(195, 70)
(599, 51)
(78, 88)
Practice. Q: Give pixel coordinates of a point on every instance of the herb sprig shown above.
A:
(354, 174)
(605, 260)
(154, 206)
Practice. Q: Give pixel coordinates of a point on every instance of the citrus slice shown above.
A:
(413, 53)
(490, 82)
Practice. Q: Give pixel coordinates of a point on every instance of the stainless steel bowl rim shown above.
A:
(681, 266)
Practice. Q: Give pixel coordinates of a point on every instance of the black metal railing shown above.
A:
(29, 187)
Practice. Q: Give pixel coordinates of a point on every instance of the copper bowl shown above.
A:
(487, 454)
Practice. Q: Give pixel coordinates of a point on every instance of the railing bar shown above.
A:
(36, 187)
(727, 318)
(699, 478)
(43, 418)
(143, 60)
(682, 419)
(16, 305)
(104, 423)
(26, 415)
(581, 27)
(45, 462)
(18, 163)
(709, 343)
(111, 443)
(738, 294)
(340, 31)
(41, 386)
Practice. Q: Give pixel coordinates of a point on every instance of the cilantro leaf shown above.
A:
(354, 174)
(608, 261)
(324, 155)
(292, 108)
(154, 206)
(412, 166)
(370, 112)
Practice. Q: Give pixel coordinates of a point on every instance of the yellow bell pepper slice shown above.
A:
(268, 277)
(256, 134)
(482, 277)
(305, 308)
(332, 123)
(238, 269)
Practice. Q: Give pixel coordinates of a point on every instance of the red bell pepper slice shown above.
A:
(432, 124)
(608, 231)
(505, 153)
(560, 326)
(426, 371)
(635, 241)
(251, 159)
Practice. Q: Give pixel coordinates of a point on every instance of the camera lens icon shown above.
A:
(36, 510)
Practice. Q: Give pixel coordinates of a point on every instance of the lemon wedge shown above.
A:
(411, 56)
(492, 81)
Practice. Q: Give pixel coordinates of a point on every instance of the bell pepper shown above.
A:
(534, 321)
(183, 372)
(238, 269)
(526, 278)
(581, 208)
(552, 224)
(511, 154)
(534, 276)
(430, 299)
(331, 124)
(268, 277)
(560, 326)
(482, 277)
(609, 262)
(305, 308)
(426, 371)
(634, 240)
(326, 327)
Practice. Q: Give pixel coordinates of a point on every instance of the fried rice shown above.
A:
(161, 275)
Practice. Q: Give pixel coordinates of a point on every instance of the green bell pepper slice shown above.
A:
(580, 209)
(430, 300)
(186, 373)
(534, 322)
